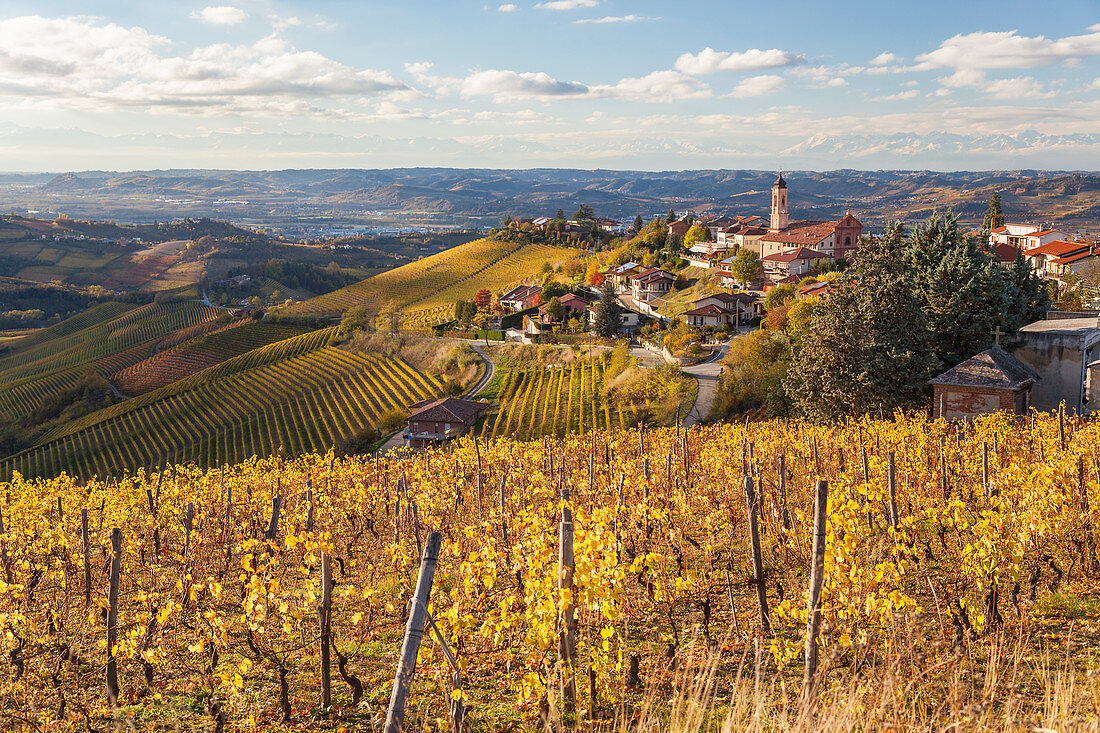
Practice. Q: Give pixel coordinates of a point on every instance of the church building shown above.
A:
(834, 238)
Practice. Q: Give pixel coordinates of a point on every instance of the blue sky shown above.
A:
(557, 83)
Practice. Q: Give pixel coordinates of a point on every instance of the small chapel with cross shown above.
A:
(992, 381)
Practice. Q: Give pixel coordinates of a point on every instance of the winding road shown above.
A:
(706, 373)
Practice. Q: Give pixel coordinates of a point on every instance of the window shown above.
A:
(416, 427)
(446, 427)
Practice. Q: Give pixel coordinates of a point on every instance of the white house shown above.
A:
(797, 261)
(1024, 236)
(650, 284)
(721, 309)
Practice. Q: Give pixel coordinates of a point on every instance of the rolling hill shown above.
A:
(426, 290)
(447, 196)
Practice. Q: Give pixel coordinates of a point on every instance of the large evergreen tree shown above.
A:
(964, 292)
(908, 307)
(866, 350)
(994, 217)
(609, 314)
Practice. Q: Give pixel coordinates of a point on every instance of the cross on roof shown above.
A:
(997, 333)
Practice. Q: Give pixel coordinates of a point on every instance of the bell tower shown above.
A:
(779, 219)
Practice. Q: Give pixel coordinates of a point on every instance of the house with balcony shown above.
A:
(651, 284)
(1058, 258)
(722, 309)
(438, 420)
(1023, 237)
(790, 263)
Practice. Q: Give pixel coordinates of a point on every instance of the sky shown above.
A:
(613, 84)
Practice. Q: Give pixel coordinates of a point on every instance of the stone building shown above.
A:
(1064, 352)
(992, 381)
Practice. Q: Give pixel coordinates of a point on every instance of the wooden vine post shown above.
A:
(757, 556)
(783, 491)
(892, 489)
(817, 579)
(324, 617)
(503, 518)
(567, 634)
(985, 469)
(414, 632)
(86, 547)
(112, 617)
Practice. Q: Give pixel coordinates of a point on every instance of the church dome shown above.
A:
(779, 182)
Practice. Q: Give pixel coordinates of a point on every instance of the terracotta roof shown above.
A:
(797, 253)
(446, 409)
(522, 292)
(849, 221)
(706, 310)
(1042, 233)
(655, 273)
(1057, 248)
(1000, 230)
(814, 289)
(1006, 252)
(994, 368)
(802, 232)
(1075, 256)
(727, 298)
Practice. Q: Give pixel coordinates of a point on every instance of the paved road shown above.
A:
(490, 371)
(706, 374)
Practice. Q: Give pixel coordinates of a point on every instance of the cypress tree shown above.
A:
(609, 314)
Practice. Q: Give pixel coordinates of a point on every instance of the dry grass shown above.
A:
(1008, 683)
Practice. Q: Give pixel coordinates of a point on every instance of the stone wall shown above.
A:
(1059, 360)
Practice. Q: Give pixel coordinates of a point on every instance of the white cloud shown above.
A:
(709, 61)
(658, 86)
(419, 67)
(280, 23)
(883, 59)
(1020, 87)
(507, 8)
(758, 86)
(90, 64)
(220, 15)
(1009, 50)
(567, 4)
(506, 84)
(614, 19)
(1095, 83)
(900, 96)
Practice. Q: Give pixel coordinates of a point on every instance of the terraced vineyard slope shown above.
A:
(107, 338)
(426, 289)
(309, 402)
(556, 401)
(200, 353)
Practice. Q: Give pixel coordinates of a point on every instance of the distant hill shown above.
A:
(449, 196)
